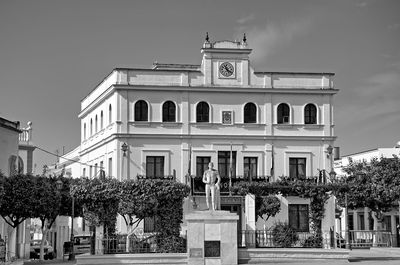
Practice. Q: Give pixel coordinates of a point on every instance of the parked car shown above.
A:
(35, 250)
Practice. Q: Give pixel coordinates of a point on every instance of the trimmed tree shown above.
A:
(17, 199)
(374, 184)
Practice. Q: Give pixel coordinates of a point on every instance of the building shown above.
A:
(173, 119)
(362, 219)
(16, 157)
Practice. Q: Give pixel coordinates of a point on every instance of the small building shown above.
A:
(16, 157)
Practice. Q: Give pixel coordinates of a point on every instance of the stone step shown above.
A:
(259, 255)
(147, 258)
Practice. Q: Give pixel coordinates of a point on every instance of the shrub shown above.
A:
(313, 241)
(283, 235)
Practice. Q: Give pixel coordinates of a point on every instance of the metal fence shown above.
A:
(365, 239)
(146, 243)
(265, 239)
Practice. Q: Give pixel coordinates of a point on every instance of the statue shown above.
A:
(212, 180)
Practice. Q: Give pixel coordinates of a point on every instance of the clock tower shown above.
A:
(226, 63)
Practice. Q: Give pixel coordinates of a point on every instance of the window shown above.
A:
(95, 125)
(110, 166)
(84, 172)
(84, 131)
(91, 127)
(101, 120)
(224, 163)
(350, 220)
(310, 114)
(90, 171)
(150, 224)
(168, 112)
(250, 113)
(361, 221)
(109, 114)
(298, 217)
(202, 112)
(95, 170)
(250, 167)
(297, 168)
(283, 113)
(202, 164)
(155, 166)
(141, 111)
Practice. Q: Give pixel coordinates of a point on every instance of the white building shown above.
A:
(16, 156)
(171, 114)
(362, 219)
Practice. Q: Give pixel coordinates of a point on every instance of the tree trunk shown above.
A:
(44, 236)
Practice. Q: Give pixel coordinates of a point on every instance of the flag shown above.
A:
(230, 171)
(272, 163)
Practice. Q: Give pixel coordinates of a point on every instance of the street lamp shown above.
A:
(124, 148)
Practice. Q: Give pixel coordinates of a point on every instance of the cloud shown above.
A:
(395, 26)
(373, 102)
(246, 19)
(269, 38)
(362, 4)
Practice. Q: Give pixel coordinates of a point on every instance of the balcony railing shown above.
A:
(25, 137)
(198, 187)
(164, 177)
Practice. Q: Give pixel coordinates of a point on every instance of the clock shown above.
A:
(226, 69)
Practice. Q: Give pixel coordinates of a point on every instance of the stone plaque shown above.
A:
(212, 249)
(195, 252)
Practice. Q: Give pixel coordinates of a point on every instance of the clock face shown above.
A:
(226, 69)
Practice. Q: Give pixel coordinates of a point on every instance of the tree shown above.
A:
(374, 184)
(138, 200)
(267, 205)
(17, 199)
(51, 202)
(100, 199)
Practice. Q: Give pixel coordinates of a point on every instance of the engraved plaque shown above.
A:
(226, 117)
(212, 249)
(195, 252)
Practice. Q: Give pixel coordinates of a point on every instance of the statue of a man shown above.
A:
(212, 180)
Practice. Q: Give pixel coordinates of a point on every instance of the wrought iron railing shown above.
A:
(265, 239)
(365, 239)
(146, 243)
(198, 187)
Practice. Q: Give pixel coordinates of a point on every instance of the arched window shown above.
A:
(141, 111)
(168, 112)
(283, 113)
(91, 127)
(101, 120)
(84, 131)
(310, 114)
(15, 165)
(250, 113)
(95, 124)
(202, 112)
(109, 114)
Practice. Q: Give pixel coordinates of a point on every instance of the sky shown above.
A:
(53, 53)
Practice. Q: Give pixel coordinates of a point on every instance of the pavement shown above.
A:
(374, 254)
(365, 256)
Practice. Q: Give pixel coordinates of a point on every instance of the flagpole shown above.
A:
(230, 171)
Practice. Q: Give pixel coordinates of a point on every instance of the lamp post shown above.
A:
(59, 186)
(72, 254)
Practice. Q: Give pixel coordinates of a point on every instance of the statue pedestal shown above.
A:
(212, 238)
